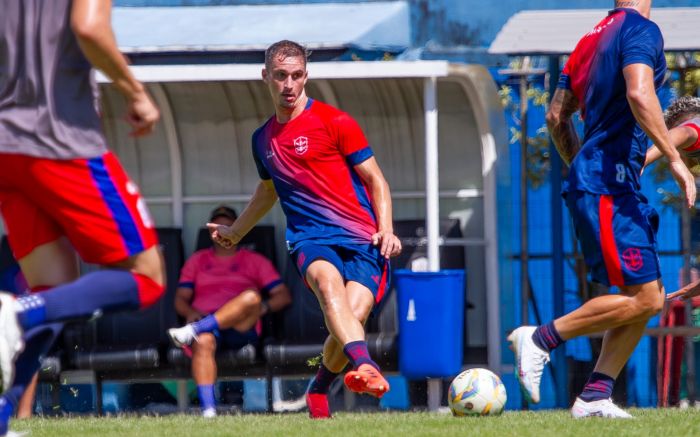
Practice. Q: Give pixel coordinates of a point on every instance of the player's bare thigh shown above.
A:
(50, 264)
(56, 263)
(326, 282)
(361, 300)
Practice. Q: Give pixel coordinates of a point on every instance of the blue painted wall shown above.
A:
(440, 22)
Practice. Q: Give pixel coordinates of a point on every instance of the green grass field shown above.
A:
(658, 423)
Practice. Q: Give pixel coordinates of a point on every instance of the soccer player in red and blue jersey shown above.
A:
(61, 190)
(611, 78)
(316, 159)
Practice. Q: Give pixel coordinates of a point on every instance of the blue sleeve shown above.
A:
(262, 171)
(642, 44)
(359, 156)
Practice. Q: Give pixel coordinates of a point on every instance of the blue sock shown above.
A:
(357, 353)
(38, 341)
(7, 409)
(322, 381)
(206, 396)
(599, 386)
(207, 324)
(546, 337)
(105, 290)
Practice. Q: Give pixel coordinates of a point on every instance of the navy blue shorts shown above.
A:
(234, 340)
(617, 234)
(362, 263)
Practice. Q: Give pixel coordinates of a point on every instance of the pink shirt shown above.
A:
(218, 279)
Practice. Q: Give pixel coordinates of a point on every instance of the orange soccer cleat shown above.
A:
(367, 379)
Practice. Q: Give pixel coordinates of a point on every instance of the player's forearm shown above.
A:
(381, 203)
(91, 23)
(563, 106)
(680, 137)
(279, 298)
(647, 111)
(260, 204)
(565, 139)
(183, 307)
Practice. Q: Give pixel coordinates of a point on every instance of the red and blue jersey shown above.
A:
(614, 145)
(311, 160)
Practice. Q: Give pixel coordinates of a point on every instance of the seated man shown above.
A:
(220, 295)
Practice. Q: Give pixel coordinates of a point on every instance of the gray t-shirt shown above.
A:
(48, 96)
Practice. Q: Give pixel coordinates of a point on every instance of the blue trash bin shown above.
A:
(431, 322)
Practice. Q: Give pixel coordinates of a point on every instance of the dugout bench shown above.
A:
(134, 346)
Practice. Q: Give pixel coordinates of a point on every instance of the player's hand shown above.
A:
(689, 291)
(389, 244)
(223, 235)
(685, 180)
(142, 114)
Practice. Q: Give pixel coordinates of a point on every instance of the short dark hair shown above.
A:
(685, 108)
(223, 211)
(285, 49)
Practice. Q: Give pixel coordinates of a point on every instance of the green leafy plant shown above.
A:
(538, 159)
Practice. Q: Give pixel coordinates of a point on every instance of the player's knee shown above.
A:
(250, 299)
(205, 344)
(149, 290)
(649, 304)
(148, 263)
(361, 312)
(657, 305)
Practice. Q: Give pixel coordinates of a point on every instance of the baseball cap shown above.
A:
(223, 211)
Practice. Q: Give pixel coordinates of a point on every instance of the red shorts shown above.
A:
(91, 201)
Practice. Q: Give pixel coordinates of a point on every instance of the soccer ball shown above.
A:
(477, 392)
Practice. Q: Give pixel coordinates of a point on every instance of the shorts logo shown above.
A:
(633, 259)
(375, 278)
(301, 145)
(300, 260)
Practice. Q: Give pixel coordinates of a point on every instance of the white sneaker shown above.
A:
(601, 408)
(11, 343)
(209, 413)
(529, 360)
(183, 336)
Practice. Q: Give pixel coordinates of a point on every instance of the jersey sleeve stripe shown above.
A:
(271, 285)
(359, 156)
(696, 145)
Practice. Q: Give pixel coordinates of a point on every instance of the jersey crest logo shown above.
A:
(301, 259)
(633, 259)
(301, 145)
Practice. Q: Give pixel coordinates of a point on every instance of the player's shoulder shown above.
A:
(693, 121)
(329, 112)
(261, 128)
(638, 22)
